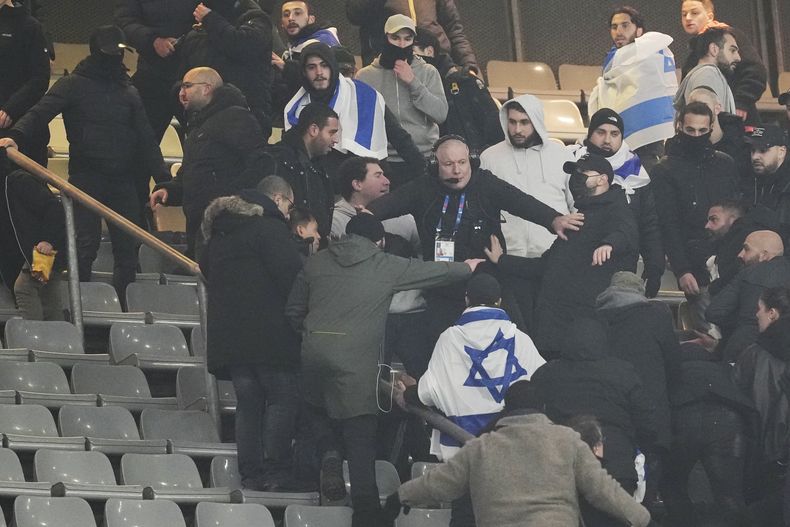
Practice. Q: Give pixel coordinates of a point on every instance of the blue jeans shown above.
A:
(266, 411)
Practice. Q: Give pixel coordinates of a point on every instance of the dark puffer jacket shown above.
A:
(685, 187)
(223, 153)
(238, 44)
(772, 191)
(586, 380)
(250, 263)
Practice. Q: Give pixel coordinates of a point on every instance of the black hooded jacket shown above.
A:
(236, 40)
(772, 191)
(223, 153)
(733, 143)
(686, 184)
(586, 380)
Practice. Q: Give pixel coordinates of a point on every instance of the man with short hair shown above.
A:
(299, 160)
(769, 184)
(733, 308)
(605, 138)
(718, 54)
(638, 81)
(223, 149)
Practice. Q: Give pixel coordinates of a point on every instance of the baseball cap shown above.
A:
(784, 99)
(592, 162)
(397, 22)
(109, 40)
(765, 136)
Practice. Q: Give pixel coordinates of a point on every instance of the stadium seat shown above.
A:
(104, 262)
(101, 306)
(86, 475)
(424, 518)
(521, 76)
(60, 166)
(28, 427)
(108, 429)
(191, 390)
(170, 219)
(7, 304)
(169, 476)
(236, 515)
(150, 347)
(12, 479)
(167, 304)
(57, 137)
(118, 386)
(131, 513)
(310, 516)
(387, 478)
(187, 432)
(576, 77)
(564, 120)
(32, 511)
(225, 473)
(41, 383)
(67, 56)
(50, 341)
(151, 261)
(420, 468)
(197, 342)
(784, 81)
(171, 145)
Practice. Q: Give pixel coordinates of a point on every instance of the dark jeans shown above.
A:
(119, 196)
(407, 338)
(714, 435)
(266, 410)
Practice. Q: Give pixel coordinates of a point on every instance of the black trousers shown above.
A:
(159, 99)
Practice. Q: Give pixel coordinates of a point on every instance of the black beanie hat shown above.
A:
(605, 116)
(522, 395)
(366, 225)
(483, 290)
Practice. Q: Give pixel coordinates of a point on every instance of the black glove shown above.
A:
(391, 509)
(652, 284)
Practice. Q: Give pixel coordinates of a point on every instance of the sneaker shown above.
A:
(333, 486)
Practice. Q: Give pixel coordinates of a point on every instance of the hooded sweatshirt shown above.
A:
(706, 75)
(536, 171)
(420, 106)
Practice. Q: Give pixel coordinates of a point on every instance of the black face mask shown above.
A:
(391, 53)
(592, 149)
(577, 184)
(694, 144)
(433, 61)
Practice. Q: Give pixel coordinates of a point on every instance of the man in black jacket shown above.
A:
(223, 149)
(24, 61)
(235, 39)
(687, 181)
(250, 262)
(769, 182)
(298, 159)
(112, 150)
(154, 29)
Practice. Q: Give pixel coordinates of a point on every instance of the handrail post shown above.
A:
(75, 300)
(212, 394)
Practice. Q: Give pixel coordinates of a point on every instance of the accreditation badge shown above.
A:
(444, 250)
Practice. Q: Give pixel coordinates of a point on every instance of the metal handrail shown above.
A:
(69, 194)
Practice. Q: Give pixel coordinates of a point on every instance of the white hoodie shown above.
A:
(536, 171)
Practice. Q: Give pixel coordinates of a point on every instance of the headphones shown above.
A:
(432, 165)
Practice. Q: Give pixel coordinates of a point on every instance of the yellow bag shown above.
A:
(42, 265)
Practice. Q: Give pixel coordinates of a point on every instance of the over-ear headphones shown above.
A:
(433, 163)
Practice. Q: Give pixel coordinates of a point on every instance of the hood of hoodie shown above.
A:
(586, 340)
(776, 338)
(328, 56)
(93, 67)
(534, 109)
(353, 249)
(616, 298)
(226, 214)
(224, 97)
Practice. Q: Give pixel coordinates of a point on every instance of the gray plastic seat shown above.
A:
(8, 307)
(225, 473)
(130, 513)
(108, 429)
(151, 261)
(153, 347)
(101, 306)
(311, 516)
(31, 511)
(420, 468)
(236, 515)
(165, 304)
(118, 386)
(12, 478)
(40, 383)
(424, 518)
(191, 391)
(387, 478)
(50, 341)
(197, 342)
(104, 261)
(86, 475)
(29, 427)
(169, 476)
(188, 432)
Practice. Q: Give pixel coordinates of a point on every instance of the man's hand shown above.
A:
(496, 251)
(278, 61)
(45, 248)
(5, 120)
(473, 263)
(200, 12)
(572, 222)
(602, 254)
(688, 284)
(362, 210)
(742, 114)
(403, 71)
(401, 382)
(705, 340)
(164, 47)
(158, 197)
(7, 142)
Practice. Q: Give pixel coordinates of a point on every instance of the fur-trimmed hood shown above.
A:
(228, 212)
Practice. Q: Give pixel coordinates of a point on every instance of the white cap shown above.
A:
(397, 22)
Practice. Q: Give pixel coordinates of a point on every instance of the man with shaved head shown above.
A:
(734, 307)
(223, 149)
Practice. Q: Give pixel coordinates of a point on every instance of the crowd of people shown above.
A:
(403, 217)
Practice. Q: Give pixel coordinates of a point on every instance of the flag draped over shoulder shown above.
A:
(361, 110)
(639, 82)
(472, 366)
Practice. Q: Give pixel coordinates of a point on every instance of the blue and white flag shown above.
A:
(361, 111)
(639, 82)
(472, 366)
(327, 35)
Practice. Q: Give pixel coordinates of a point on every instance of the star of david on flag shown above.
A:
(480, 378)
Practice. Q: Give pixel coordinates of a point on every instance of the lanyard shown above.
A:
(461, 205)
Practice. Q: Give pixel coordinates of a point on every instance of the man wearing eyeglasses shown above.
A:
(223, 149)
